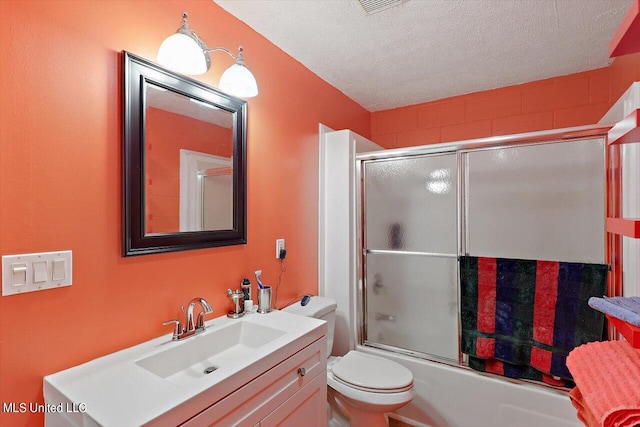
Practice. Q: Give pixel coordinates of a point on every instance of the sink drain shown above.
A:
(210, 369)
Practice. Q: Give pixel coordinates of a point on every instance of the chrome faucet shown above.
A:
(190, 328)
(206, 309)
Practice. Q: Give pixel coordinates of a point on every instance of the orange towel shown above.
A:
(607, 375)
(584, 413)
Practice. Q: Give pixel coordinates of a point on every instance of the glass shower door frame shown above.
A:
(363, 252)
(461, 149)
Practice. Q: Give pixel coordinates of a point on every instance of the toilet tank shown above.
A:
(320, 308)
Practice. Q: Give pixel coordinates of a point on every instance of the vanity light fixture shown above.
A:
(184, 52)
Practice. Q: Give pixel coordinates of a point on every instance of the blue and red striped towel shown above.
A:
(521, 318)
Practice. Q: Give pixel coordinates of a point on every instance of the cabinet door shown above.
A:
(308, 407)
(251, 403)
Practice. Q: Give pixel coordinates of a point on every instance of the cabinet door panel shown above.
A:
(308, 407)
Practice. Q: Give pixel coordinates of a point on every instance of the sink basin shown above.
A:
(203, 354)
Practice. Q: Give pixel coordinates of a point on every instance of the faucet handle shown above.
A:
(177, 330)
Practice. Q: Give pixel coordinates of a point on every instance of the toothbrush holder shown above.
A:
(264, 299)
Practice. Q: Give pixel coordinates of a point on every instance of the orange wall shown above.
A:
(60, 171)
(60, 180)
(166, 134)
(572, 100)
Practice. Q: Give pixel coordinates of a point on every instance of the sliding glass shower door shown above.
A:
(410, 250)
(542, 201)
(538, 200)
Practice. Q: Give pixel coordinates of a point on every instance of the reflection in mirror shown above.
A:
(206, 191)
(184, 162)
(188, 164)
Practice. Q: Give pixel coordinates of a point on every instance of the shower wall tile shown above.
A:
(441, 113)
(523, 123)
(419, 137)
(464, 131)
(494, 103)
(576, 116)
(564, 92)
(386, 140)
(385, 122)
(571, 100)
(407, 119)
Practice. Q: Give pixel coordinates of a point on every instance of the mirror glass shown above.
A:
(184, 162)
(188, 164)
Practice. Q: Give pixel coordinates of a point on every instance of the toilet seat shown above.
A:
(371, 373)
(381, 401)
(372, 390)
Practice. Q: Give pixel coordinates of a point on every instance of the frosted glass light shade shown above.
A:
(182, 54)
(238, 81)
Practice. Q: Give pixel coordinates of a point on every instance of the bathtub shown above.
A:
(448, 396)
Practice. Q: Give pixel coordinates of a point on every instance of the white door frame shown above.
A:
(192, 163)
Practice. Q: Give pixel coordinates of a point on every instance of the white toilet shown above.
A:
(362, 387)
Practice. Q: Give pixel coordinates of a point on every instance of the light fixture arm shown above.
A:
(239, 58)
(184, 29)
(224, 49)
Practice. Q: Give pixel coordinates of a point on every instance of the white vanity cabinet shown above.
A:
(292, 393)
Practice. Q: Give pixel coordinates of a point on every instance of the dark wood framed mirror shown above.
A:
(184, 162)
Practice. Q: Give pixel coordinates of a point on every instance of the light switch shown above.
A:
(39, 271)
(19, 274)
(32, 272)
(58, 269)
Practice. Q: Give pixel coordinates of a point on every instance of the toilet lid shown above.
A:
(372, 372)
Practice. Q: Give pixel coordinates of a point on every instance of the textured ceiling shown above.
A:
(423, 50)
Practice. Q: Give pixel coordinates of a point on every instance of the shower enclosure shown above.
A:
(540, 197)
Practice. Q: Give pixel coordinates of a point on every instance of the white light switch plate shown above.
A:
(44, 270)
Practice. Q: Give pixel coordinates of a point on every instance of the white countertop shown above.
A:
(115, 391)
